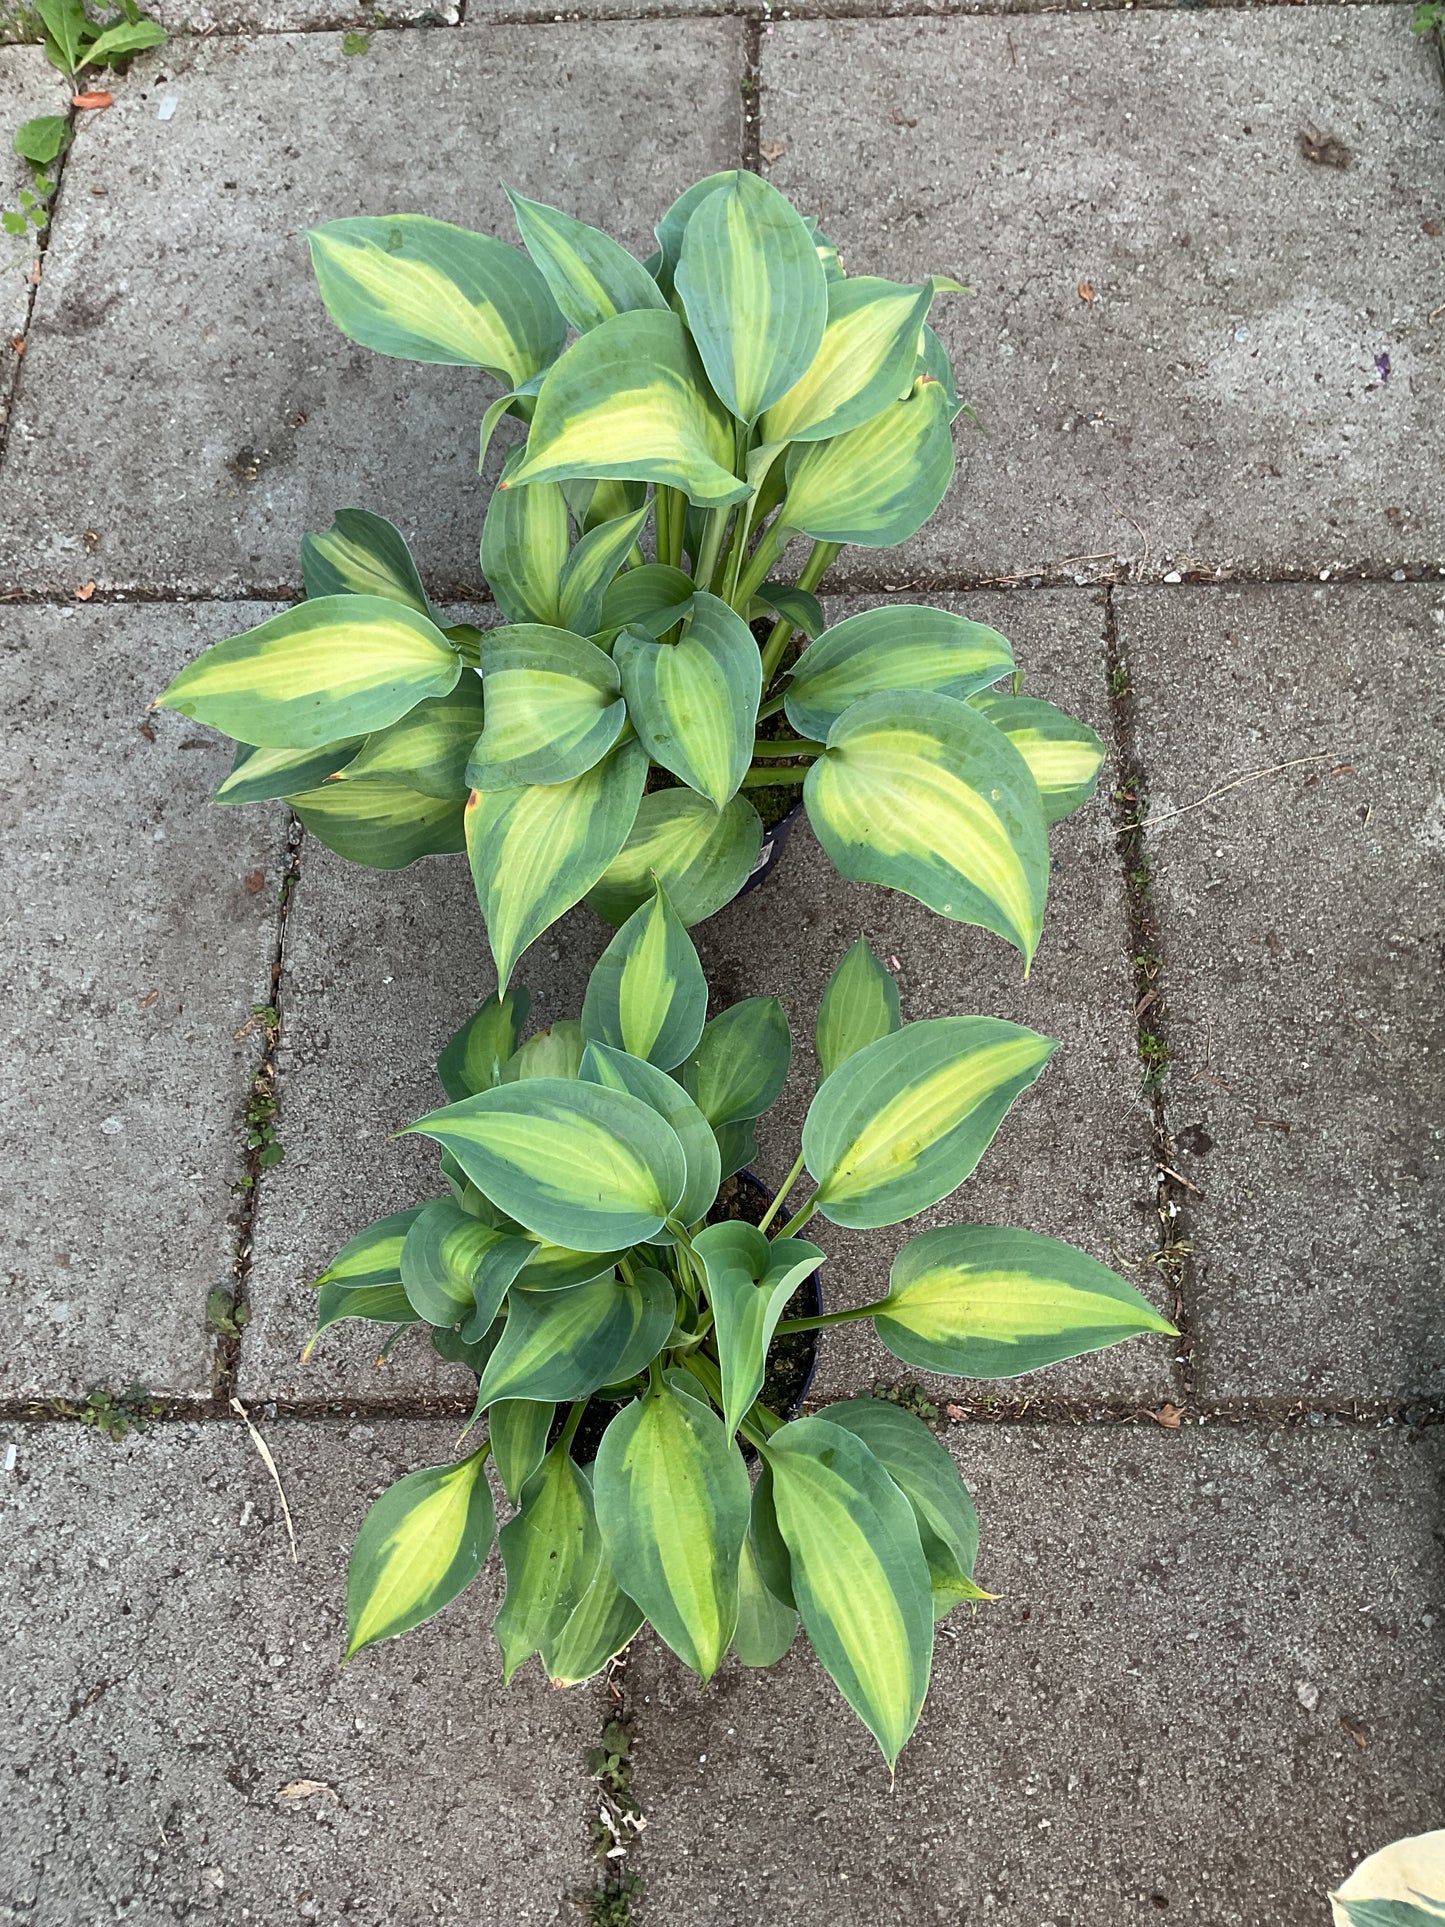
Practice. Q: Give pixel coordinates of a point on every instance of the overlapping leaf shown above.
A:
(381, 824)
(590, 275)
(550, 1551)
(602, 1064)
(630, 400)
(878, 484)
(694, 702)
(257, 775)
(526, 537)
(921, 793)
(473, 1056)
(699, 855)
(561, 1345)
(362, 554)
(905, 1120)
(423, 290)
(895, 647)
(672, 1499)
(749, 1282)
(858, 1573)
(584, 1167)
(741, 1062)
(1064, 756)
(647, 994)
(427, 750)
(537, 850)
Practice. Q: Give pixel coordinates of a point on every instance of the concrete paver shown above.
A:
(1210, 1685)
(171, 1672)
(1301, 919)
(1191, 346)
(29, 87)
(141, 938)
(1074, 1156)
(187, 397)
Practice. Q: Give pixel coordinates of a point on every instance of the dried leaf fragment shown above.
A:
(1171, 1417)
(771, 151)
(1086, 293)
(93, 100)
(85, 592)
(304, 1789)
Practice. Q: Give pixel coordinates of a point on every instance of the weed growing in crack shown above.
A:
(909, 1396)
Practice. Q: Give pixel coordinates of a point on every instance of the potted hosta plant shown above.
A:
(729, 400)
(572, 1260)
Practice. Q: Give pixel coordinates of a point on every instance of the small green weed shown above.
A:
(227, 1317)
(911, 1397)
(356, 43)
(115, 1415)
(610, 1905)
(1429, 15)
(1155, 1053)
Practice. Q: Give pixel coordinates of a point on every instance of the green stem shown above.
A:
(781, 746)
(770, 547)
(829, 1318)
(754, 1427)
(770, 708)
(777, 1204)
(574, 1419)
(635, 558)
(679, 525)
(715, 529)
(800, 1218)
(760, 779)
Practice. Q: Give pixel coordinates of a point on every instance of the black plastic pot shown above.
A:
(772, 849)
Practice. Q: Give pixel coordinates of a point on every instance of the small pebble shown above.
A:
(1174, 576)
(167, 108)
(1308, 1694)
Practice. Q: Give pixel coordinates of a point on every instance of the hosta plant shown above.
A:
(734, 396)
(577, 1256)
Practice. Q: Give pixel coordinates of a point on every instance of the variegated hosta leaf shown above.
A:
(363, 1280)
(337, 666)
(859, 1005)
(550, 1551)
(898, 646)
(538, 850)
(749, 1281)
(556, 1268)
(647, 994)
(620, 1072)
(919, 792)
(592, 1169)
(591, 567)
(1064, 756)
(362, 554)
(383, 1304)
(801, 607)
(457, 1270)
(923, 1470)
(904, 1121)
(422, 290)
(933, 361)
(427, 750)
(590, 275)
(561, 1345)
(699, 855)
(737, 1145)
(865, 360)
(554, 1052)
(652, 599)
(380, 824)
(878, 484)
(518, 1428)
(604, 1621)
(474, 1054)
(553, 704)
(754, 291)
(741, 1062)
(1403, 1885)
(672, 228)
(770, 1550)
(525, 541)
(594, 502)
(858, 1573)
(630, 401)
(978, 1301)
(766, 1628)
(258, 775)
(672, 1499)
(694, 702)
(421, 1543)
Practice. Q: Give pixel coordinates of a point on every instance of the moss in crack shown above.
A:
(615, 1826)
(911, 1397)
(610, 1905)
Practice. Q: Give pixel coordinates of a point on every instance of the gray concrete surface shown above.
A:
(1218, 402)
(171, 1673)
(141, 936)
(179, 301)
(1211, 1684)
(29, 87)
(1074, 1156)
(1301, 916)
